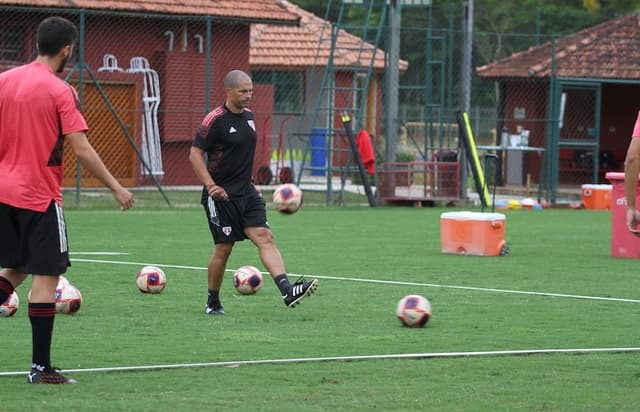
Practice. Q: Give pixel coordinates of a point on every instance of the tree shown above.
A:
(500, 27)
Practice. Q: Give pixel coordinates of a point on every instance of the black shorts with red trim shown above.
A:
(34, 242)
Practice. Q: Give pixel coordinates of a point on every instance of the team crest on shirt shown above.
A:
(226, 230)
(252, 124)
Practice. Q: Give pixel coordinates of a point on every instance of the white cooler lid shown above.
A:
(597, 187)
(466, 215)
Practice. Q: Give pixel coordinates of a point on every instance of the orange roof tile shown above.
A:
(254, 10)
(608, 50)
(308, 45)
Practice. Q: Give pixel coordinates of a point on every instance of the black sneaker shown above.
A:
(298, 291)
(52, 377)
(214, 310)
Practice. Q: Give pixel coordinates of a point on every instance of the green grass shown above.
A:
(554, 251)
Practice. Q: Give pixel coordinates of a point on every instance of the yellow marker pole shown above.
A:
(475, 159)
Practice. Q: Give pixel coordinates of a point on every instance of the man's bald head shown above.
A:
(239, 89)
(234, 78)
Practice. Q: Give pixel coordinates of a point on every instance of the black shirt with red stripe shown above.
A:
(229, 139)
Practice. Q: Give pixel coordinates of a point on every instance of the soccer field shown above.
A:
(342, 348)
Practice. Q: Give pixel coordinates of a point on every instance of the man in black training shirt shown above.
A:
(233, 207)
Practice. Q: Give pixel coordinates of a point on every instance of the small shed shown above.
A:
(577, 97)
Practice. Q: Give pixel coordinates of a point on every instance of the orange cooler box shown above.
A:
(472, 233)
(596, 196)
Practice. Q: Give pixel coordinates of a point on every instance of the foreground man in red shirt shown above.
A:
(38, 111)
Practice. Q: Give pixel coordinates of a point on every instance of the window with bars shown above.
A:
(11, 45)
(288, 89)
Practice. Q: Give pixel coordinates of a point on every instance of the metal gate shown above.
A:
(105, 135)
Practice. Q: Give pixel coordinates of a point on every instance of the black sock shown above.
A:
(213, 300)
(42, 316)
(282, 281)
(6, 289)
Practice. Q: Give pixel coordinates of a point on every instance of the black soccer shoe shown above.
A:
(51, 377)
(214, 310)
(299, 291)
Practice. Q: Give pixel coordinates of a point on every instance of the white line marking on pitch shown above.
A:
(98, 253)
(393, 282)
(346, 358)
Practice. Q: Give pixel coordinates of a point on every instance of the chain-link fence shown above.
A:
(571, 96)
(557, 110)
(146, 78)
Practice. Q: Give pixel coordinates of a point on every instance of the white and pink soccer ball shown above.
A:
(68, 298)
(247, 280)
(414, 311)
(151, 279)
(10, 306)
(287, 198)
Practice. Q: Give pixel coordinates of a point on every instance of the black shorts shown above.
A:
(34, 242)
(228, 218)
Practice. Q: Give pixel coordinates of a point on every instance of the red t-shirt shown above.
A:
(636, 128)
(37, 109)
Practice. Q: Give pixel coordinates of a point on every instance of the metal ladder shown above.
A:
(343, 88)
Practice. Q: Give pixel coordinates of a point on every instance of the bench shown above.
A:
(576, 166)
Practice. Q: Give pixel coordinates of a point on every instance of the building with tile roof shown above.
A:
(609, 50)
(307, 45)
(190, 45)
(300, 54)
(588, 81)
(259, 11)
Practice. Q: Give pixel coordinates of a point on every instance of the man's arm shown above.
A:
(631, 171)
(196, 157)
(87, 155)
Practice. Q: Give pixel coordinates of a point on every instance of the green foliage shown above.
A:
(561, 251)
(431, 40)
(497, 16)
(546, 18)
(405, 157)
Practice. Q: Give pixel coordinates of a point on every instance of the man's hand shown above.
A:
(124, 197)
(633, 220)
(217, 192)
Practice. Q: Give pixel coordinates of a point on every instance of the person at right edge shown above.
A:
(631, 170)
(234, 209)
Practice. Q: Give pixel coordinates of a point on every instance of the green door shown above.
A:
(574, 148)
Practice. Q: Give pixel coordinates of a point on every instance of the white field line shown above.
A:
(98, 253)
(345, 358)
(392, 282)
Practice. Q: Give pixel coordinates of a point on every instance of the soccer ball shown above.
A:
(10, 306)
(414, 311)
(62, 281)
(247, 280)
(151, 279)
(68, 299)
(287, 198)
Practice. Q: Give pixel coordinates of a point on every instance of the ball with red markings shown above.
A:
(10, 306)
(68, 298)
(247, 280)
(287, 198)
(151, 279)
(414, 311)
